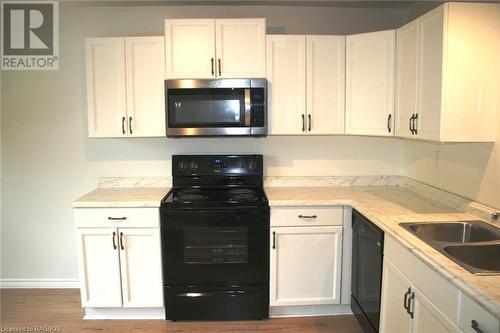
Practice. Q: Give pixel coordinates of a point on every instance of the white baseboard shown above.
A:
(40, 283)
(124, 313)
(309, 310)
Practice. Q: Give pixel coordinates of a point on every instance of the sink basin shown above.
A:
(483, 257)
(456, 232)
(474, 245)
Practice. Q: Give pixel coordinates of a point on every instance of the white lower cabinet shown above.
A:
(406, 309)
(306, 256)
(119, 267)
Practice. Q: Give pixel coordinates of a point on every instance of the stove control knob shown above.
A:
(183, 165)
(252, 164)
(193, 165)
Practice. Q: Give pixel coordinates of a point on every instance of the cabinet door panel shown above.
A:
(430, 60)
(99, 267)
(140, 258)
(370, 66)
(106, 96)
(189, 48)
(241, 48)
(326, 84)
(145, 64)
(306, 265)
(286, 70)
(406, 77)
(393, 315)
(428, 318)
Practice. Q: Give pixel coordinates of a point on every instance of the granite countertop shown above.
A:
(122, 197)
(386, 206)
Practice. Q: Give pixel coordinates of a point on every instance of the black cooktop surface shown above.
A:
(215, 197)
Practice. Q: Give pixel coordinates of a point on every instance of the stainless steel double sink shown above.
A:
(474, 245)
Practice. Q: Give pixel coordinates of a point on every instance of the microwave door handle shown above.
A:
(248, 106)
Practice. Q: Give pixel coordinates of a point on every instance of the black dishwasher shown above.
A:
(367, 254)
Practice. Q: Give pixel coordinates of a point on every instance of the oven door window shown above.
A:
(215, 245)
(215, 107)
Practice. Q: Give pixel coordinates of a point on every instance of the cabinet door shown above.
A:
(286, 71)
(305, 265)
(106, 96)
(393, 315)
(406, 77)
(370, 66)
(430, 60)
(140, 258)
(99, 267)
(325, 84)
(427, 317)
(240, 48)
(189, 48)
(145, 65)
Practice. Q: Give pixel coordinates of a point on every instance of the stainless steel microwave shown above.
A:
(216, 107)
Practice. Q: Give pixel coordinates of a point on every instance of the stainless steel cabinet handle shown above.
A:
(307, 216)
(303, 123)
(121, 241)
(130, 125)
(220, 69)
(123, 125)
(389, 123)
(274, 240)
(116, 218)
(405, 301)
(309, 122)
(475, 326)
(212, 62)
(114, 244)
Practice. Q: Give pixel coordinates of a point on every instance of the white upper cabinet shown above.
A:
(210, 48)
(286, 75)
(370, 68)
(189, 48)
(106, 92)
(306, 76)
(240, 48)
(145, 80)
(406, 78)
(325, 84)
(125, 86)
(454, 51)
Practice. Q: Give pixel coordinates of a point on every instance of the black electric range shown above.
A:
(215, 239)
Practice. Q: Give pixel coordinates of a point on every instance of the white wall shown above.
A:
(48, 161)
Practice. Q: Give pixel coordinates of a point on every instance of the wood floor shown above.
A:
(61, 309)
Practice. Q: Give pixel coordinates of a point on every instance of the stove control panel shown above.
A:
(186, 165)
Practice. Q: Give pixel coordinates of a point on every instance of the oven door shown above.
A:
(215, 246)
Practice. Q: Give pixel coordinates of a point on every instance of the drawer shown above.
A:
(117, 217)
(433, 286)
(469, 311)
(306, 216)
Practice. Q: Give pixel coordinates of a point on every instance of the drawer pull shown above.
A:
(121, 241)
(307, 216)
(114, 244)
(405, 301)
(274, 240)
(116, 218)
(475, 326)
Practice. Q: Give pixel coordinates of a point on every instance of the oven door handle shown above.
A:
(248, 107)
